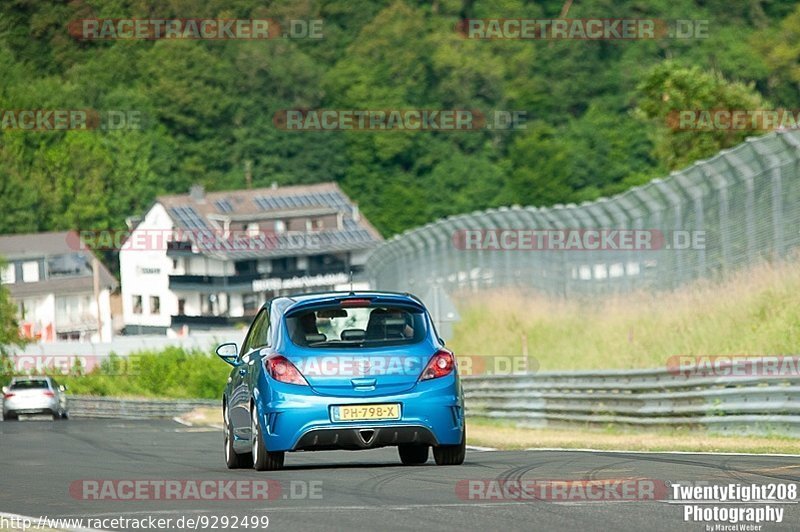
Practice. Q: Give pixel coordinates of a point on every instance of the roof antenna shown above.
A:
(352, 293)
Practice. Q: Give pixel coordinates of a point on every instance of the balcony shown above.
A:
(208, 322)
(212, 283)
(323, 269)
(177, 248)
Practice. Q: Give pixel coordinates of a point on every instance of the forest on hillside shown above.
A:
(596, 111)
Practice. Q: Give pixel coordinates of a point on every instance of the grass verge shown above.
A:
(503, 435)
(754, 312)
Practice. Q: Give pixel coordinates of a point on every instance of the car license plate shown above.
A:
(366, 412)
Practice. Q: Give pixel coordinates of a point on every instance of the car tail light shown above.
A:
(280, 369)
(8, 395)
(441, 364)
(48, 393)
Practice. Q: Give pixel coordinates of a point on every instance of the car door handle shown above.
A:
(358, 383)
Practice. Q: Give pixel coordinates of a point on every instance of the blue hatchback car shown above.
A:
(342, 370)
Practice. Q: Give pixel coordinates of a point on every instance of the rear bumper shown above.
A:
(30, 406)
(294, 418)
(363, 437)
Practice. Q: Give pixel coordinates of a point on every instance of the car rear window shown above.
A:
(29, 385)
(356, 327)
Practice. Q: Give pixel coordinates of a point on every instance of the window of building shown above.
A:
(181, 307)
(245, 267)
(30, 272)
(280, 226)
(155, 305)
(67, 265)
(284, 264)
(137, 304)
(250, 302)
(7, 275)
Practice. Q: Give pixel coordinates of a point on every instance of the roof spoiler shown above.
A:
(377, 300)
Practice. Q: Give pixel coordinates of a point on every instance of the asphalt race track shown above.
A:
(41, 460)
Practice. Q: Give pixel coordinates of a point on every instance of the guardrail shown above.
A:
(87, 406)
(742, 404)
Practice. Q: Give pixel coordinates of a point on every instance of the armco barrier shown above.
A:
(86, 406)
(754, 404)
(105, 407)
(761, 404)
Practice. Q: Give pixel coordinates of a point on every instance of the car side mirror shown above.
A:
(62, 388)
(5, 390)
(228, 352)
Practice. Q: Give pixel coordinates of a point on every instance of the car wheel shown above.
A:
(413, 454)
(65, 414)
(263, 460)
(451, 454)
(232, 459)
(56, 415)
(10, 416)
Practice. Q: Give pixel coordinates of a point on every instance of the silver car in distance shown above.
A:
(34, 395)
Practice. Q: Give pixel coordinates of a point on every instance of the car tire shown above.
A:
(263, 460)
(65, 414)
(413, 454)
(232, 459)
(10, 416)
(56, 415)
(451, 454)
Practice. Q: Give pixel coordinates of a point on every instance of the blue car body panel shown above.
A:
(298, 417)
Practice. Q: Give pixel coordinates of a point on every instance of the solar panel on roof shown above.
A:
(224, 206)
(189, 217)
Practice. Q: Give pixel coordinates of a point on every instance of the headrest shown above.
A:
(314, 338)
(353, 334)
(393, 322)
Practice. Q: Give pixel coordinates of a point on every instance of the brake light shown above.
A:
(48, 393)
(441, 364)
(280, 369)
(346, 303)
(8, 395)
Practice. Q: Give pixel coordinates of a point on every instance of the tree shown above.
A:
(9, 327)
(670, 88)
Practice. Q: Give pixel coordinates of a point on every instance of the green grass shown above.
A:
(756, 312)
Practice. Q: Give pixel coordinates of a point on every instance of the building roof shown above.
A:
(199, 212)
(36, 245)
(33, 246)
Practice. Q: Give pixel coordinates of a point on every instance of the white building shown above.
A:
(51, 279)
(210, 260)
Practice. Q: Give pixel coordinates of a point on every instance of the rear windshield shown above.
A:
(29, 385)
(357, 327)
